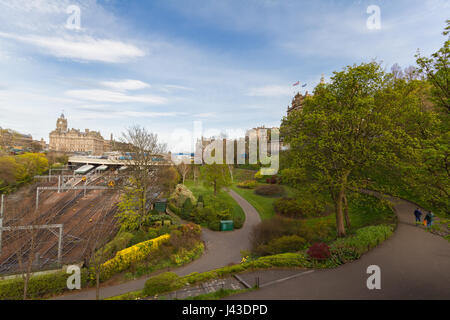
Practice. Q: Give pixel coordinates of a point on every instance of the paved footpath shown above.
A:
(221, 249)
(415, 264)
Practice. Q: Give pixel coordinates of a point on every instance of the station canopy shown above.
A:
(84, 169)
(102, 168)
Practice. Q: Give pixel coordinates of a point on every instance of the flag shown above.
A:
(304, 85)
(296, 84)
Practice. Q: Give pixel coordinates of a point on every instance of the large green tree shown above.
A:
(348, 126)
(216, 176)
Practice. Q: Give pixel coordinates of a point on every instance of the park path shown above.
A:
(221, 249)
(414, 264)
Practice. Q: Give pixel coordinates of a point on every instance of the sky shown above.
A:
(164, 64)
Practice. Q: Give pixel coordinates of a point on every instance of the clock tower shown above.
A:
(61, 124)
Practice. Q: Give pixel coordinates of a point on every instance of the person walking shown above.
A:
(429, 218)
(418, 215)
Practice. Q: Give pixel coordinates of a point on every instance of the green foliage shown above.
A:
(437, 70)
(216, 207)
(289, 207)
(187, 209)
(128, 214)
(18, 170)
(351, 248)
(362, 120)
(282, 244)
(269, 190)
(162, 283)
(38, 286)
(216, 176)
(247, 184)
(121, 241)
(179, 196)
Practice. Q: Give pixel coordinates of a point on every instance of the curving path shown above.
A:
(415, 264)
(221, 249)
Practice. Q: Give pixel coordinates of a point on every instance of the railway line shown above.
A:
(56, 209)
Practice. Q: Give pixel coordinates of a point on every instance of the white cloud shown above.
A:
(113, 96)
(126, 85)
(128, 114)
(205, 115)
(270, 91)
(83, 48)
(172, 86)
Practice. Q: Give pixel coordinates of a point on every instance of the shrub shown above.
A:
(200, 199)
(272, 180)
(138, 237)
(120, 242)
(180, 195)
(319, 251)
(124, 258)
(174, 208)
(269, 190)
(162, 283)
(184, 256)
(38, 286)
(273, 228)
(283, 244)
(187, 209)
(288, 207)
(247, 184)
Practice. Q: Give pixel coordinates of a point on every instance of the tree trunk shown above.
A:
(215, 187)
(97, 285)
(340, 229)
(25, 287)
(347, 218)
(339, 202)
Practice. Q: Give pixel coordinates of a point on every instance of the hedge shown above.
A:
(38, 286)
(351, 248)
(124, 258)
(185, 256)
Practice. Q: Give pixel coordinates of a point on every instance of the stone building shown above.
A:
(298, 101)
(74, 140)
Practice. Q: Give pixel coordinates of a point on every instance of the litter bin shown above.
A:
(226, 225)
(161, 205)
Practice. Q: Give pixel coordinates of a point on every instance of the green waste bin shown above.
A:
(161, 205)
(226, 225)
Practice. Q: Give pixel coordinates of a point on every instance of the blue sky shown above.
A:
(166, 63)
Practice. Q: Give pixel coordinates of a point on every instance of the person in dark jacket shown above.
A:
(429, 218)
(418, 215)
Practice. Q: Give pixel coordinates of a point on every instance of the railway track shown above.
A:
(49, 216)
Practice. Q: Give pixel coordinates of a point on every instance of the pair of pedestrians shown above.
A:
(428, 217)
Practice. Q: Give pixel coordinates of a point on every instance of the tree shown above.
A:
(184, 169)
(397, 71)
(347, 126)
(141, 147)
(8, 168)
(95, 252)
(27, 243)
(169, 178)
(437, 71)
(216, 175)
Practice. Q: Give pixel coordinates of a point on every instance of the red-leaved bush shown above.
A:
(319, 251)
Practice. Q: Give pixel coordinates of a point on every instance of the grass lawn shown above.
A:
(200, 189)
(264, 205)
(364, 210)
